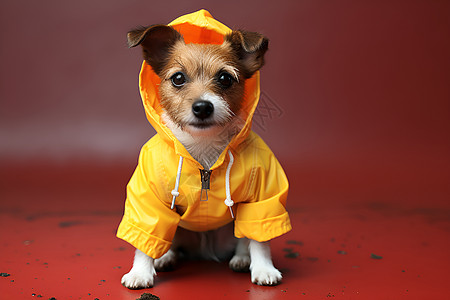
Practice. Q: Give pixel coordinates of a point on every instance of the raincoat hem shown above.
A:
(263, 230)
(151, 245)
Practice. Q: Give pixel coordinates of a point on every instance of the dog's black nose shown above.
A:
(202, 109)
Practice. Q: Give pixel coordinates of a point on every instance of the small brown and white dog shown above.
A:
(201, 91)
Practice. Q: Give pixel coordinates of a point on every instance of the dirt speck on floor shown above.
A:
(292, 255)
(148, 296)
(374, 256)
(293, 242)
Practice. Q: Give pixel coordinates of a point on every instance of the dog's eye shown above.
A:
(225, 80)
(178, 79)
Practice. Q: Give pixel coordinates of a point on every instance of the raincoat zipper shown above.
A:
(205, 177)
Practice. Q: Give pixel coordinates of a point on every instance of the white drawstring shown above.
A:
(175, 192)
(228, 201)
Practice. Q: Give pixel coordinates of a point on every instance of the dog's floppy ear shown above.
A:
(156, 42)
(250, 48)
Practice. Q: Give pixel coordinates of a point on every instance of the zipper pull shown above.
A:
(205, 176)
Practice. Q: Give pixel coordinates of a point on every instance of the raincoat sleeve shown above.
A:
(264, 216)
(148, 222)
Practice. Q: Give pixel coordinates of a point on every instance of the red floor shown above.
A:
(57, 229)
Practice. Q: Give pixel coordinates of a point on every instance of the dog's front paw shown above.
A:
(265, 275)
(240, 263)
(138, 280)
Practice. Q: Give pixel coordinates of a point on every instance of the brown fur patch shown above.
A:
(250, 48)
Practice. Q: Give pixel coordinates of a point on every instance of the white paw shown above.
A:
(240, 263)
(138, 280)
(265, 275)
(166, 262)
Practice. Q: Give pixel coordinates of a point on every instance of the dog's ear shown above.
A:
(156, 42)
(250, 48)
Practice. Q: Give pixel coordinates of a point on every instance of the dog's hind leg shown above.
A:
(142, 273)
(167, 262)
(241, 259)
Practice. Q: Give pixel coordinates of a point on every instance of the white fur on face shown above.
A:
(221, 115)
(205, 145)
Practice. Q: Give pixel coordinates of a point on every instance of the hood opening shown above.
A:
(200, 28)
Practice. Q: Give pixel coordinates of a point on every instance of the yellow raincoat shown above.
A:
(256, 182)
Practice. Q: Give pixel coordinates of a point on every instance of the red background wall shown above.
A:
(362, 88)
(356, 106)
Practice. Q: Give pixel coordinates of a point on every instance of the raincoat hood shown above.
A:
(164, 193)
(199, 28)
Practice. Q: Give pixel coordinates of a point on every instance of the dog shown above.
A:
(202, 90)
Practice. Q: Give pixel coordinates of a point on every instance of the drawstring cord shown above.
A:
(175, 192)
(228, 201)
